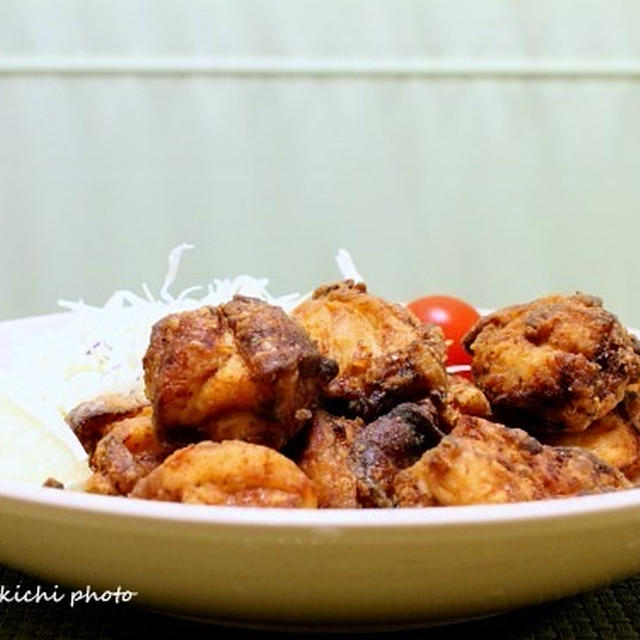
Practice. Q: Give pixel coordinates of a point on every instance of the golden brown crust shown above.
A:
(128, 452)
(613, 438)
(230, 473)
(557, 363)
(467, 398)
(389, 444)
(325, 460)
(244, 370)
(481, 462)
(463, 398)
(629, 408)
(245, 375)
(353, 465)
(385, 354)
(92, 420)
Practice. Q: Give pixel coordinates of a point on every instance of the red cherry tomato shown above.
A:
(455, 317)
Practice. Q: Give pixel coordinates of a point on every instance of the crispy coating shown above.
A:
(613, 438)
(352, 465)
(629, 408)
(92, 420)
(385, 354)
(556, 364)
(481, 462)
(325, 459)
(128, 452)
(243, 370)
(467, 398)
(463, 398)
(231, 473)
(393, 442)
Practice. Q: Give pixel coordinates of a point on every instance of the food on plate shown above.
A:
(325, 459)
(555, 364)
(482, 462)
(128, 451)
(344, 400)
(228, 473)
(614, 438)
(384, 353)
(389, 444)
(353, 465)
(243, 370)
(463, 398)
(630, 405)
(90, 421)
(454, 316)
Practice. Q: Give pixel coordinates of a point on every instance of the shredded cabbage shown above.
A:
(99, 349)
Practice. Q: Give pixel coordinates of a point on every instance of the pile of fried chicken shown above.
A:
(346, 403)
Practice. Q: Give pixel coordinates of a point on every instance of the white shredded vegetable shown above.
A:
(88, 351)
(100, 348)
(347, 266)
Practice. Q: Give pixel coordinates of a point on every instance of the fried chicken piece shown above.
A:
(481, 462)
(389, 444)
(231, 473)
(352, 465)
(467, 398)
(613, 438)
(629, 408)
(463, 398)
(556, 364)
(243, 370)
(128, 452)
(92, 420)
(325, 460)
(385, 354)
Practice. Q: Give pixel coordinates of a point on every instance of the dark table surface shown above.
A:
(612, 612)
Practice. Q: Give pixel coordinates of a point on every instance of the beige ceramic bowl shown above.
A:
(330, 568)
(355, 568)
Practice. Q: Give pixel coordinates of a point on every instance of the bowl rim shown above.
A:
(75, 501)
